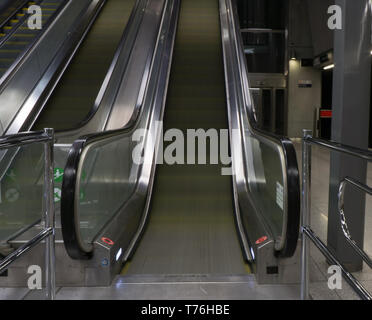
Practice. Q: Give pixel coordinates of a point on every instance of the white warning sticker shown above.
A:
(279, 195)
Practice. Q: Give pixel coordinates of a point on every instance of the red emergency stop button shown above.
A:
(262, 239)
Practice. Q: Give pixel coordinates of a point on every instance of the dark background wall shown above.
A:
(322, 36)
(300, 37)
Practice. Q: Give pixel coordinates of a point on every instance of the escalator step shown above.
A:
(24, 35)
(17, 43)
(191, 228)
(7, 51)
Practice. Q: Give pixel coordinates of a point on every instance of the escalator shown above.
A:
(191, 223)
(74, 97)
(15, 35)
(101, 90)
(114, 204)
(70, 102)
(185, 218)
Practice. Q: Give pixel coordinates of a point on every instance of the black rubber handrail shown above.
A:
(75, 247)
(292, 172)
(293, 188)
(73, 244)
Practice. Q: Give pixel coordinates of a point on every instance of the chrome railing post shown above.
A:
(49, 215)
(305, 214)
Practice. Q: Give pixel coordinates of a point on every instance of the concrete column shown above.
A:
(350, 123)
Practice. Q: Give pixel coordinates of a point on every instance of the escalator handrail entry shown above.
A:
(292, 221)
(74, 245)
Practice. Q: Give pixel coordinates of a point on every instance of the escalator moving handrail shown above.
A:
(74, 245)
(292, 221)
(71, 234)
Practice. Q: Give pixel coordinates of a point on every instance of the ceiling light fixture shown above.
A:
(331, 66)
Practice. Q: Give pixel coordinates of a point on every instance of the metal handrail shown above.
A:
(306, 232)
(21, 139)
(242, 116)
(48, 232)
(159, 69)
(352, 281)
(341, 210)
(338, 147)
(261, 30)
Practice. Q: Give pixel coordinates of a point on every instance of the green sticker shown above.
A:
(11, 174)
(12, 195)
(58, 174)
(83, 175)
(82, 195)
(57, 194)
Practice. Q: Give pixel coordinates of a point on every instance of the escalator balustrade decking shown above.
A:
(16, 36)
(75, 95)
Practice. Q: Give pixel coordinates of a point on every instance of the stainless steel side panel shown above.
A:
(20, 87)
(124, 91)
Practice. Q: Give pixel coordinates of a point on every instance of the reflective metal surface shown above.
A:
(339, 147)
(144, 17)
(191, 222)
(265, 173)
(352, 281)
(115, 189)
(21, 139)
(343, 220)
(122, 91)
(308, 234)
(48, 231)
(65, 42)
(106, 197)
(305, 216)
(30, 68)
(21, 94)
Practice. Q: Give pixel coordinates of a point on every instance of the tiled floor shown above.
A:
(319, 223)
(175, 288)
